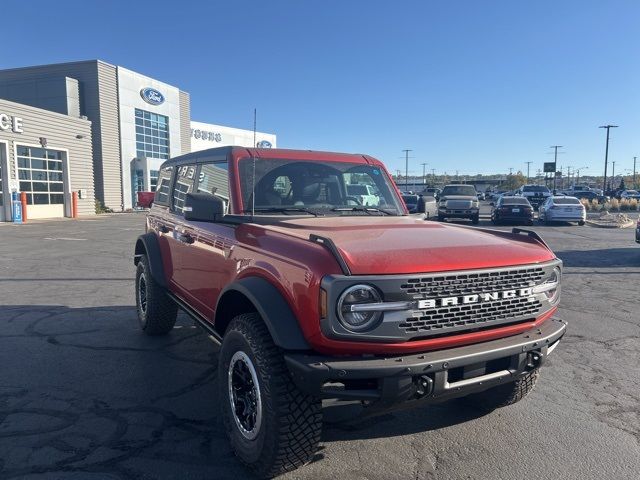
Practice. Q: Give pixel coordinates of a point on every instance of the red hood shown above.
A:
(397, 245)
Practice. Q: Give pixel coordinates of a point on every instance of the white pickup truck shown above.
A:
(365, 194)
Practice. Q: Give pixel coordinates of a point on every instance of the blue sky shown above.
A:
(474, 86)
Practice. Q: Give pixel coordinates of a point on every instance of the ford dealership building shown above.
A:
(126, 123)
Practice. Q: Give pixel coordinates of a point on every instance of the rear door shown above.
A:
(207, 265)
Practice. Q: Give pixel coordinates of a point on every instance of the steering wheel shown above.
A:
(353, 199)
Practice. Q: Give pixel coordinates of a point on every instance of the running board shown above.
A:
(197, 318)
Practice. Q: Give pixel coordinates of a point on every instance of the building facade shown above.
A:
(137, 121)
(208, 135)
(47, 155)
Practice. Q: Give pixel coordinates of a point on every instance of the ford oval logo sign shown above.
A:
(152, 96)
(263, 144)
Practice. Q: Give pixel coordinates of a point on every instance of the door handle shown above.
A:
(185, 238)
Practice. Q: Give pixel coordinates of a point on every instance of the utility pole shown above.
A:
(606, 157)
(433, 176)
(555, 164)
(634, 172)
(406, 169)
(528, 164)
(510, 170)
(424, 176)
(613, 174)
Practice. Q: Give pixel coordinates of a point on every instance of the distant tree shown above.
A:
(514, 181)
(622, 185)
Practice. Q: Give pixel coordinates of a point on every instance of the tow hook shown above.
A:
(424, 385)
(534, 359)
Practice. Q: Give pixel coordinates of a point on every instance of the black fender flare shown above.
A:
(148, 244)
(274, 310)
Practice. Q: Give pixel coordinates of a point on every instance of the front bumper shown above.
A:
(458, 212)
(430, 376)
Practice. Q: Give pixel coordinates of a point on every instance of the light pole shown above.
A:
(406, 169)
(555, 164)
(606, 157)
(577, 170)
(634, 172)
(613, 174)
(424, 175)
(528, 164)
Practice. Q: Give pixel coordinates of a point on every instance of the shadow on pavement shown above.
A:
(602, 258)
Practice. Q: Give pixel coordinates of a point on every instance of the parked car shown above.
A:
(145, 199)
(311, 295)
(638, 231)
(512, 209)
(432, 192)
(411, 202)
(562, 209)
(365, 194)
(459, 201)
(536, 194)
(591, 195)
(481, 196)
(629, 194)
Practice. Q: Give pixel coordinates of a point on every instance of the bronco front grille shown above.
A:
(463, 317)
(470, 283)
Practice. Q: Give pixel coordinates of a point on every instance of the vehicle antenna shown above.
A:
(253, 179)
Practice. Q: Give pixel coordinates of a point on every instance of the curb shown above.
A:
(591, 223)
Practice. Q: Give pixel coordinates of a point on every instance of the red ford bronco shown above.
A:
(314, 296)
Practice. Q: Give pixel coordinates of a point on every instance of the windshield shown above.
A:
(321, 187)
(535, 188)
(566, 201)
(515, 201)
(466, 190)
(410, 199)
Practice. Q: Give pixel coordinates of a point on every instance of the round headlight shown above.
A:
(554, 279)
(352, 311)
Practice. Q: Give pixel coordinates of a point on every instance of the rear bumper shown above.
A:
(430, 376)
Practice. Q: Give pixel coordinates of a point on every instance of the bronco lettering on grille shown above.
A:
(475, 298)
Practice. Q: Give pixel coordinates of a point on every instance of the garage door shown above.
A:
(41, 175)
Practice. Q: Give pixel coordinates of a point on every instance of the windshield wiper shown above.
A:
(362, 208)
(283, 210)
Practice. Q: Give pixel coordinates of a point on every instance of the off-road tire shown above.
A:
(159, 315)
(504, 395)
(475, 219)
(291, 425)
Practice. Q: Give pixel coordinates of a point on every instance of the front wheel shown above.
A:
(475, 219)
(581, 222)
(273, 427)
(441, 218)
(504, 395)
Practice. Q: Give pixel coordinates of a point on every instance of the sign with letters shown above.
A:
(549, 167)
(11, 124)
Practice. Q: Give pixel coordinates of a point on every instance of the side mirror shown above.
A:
(203, 207)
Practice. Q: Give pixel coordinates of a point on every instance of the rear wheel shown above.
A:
(273, 427)
(504, 395)
(441, 218)
(475, 219)
(156, 311)
(581, 222)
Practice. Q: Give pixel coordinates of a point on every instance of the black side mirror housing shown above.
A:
(203, 207)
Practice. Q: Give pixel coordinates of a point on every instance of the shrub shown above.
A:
(633, 204)
(614, 205)
(100, 208)
(586, 204)
(624, 205)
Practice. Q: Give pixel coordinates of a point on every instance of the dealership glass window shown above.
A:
(184, 184)
(214, 179)
(164, 186)
(153, 178)
(40, 175)
(152, 135)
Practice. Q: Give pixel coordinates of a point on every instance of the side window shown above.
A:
(214, 179)
(163, 186)
(185, 180)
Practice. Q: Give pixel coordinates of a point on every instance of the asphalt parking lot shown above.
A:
(85, 395)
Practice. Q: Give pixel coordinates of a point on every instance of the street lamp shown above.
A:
(577, 170)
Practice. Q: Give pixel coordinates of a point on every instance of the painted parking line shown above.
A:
(66, 238)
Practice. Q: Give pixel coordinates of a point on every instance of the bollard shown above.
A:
(74, 204)
(23, 201)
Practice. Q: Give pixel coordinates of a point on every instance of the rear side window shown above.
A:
(516, 201)
(213, 178)
(185, 180)
(164, 186)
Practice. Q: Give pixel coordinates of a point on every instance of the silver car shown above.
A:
(562, 209)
